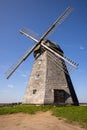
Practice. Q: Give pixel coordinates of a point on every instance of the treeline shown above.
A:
(10, 104)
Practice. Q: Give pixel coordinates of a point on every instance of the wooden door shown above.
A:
(59, 96)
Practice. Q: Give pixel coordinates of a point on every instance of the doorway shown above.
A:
(59, 96)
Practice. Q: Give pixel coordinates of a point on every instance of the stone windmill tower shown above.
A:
(49, 82)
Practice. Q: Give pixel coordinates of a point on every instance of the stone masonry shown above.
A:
(48, 83)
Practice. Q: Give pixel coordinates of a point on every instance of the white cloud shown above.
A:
(82, 48)
(24, 75)
(10, 86)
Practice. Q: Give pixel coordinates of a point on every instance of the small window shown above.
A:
(37, 76)
(34, 91)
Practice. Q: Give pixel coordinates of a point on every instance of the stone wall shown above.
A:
(47, 76)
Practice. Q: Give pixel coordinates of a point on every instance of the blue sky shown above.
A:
(38, 15)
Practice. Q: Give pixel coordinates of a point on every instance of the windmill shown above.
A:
(50, 81)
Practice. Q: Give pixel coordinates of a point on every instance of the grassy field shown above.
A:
(71, 113)
(23, 108)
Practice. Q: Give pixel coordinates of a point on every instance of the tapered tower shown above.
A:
(48, 83)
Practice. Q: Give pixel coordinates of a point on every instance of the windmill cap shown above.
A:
(39, 49)
(53, 46)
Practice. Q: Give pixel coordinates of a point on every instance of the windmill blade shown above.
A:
(24, 32)
(23, 58)
(72, 63)
(29, 34)
(58, 21)
(60, 64)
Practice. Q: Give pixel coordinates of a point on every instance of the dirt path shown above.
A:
(39, 121)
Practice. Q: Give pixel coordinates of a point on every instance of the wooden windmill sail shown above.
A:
(50, 82)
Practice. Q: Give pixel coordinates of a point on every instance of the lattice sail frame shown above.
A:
(68, 65)
(32, 36)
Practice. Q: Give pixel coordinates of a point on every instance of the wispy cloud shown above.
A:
(24, 75)
(10, 86)
(82, 48)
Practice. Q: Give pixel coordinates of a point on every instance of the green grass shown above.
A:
(71, 113)
(23, 108)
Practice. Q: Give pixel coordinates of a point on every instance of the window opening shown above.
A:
(34, 91)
